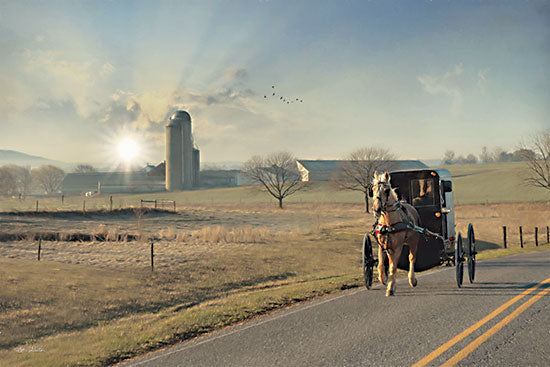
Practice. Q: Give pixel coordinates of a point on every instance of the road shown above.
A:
(503, 319)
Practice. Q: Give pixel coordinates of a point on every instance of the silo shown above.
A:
(174, 153)
(196, 166)
(187, 149)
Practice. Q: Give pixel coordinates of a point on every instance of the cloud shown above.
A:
(31, 74)
(446, 84)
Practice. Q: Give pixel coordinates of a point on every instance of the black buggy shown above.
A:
(431, 193)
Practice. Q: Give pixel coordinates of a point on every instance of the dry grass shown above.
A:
(489, 219)
(244, 234)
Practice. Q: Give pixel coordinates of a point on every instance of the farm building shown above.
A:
(110, 182)
(222, 178)
(322, 170)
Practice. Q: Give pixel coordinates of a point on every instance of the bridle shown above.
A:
(383, 208)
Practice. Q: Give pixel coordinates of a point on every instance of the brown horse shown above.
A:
(393, 229)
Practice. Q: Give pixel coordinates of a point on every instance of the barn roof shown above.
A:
(321, 170)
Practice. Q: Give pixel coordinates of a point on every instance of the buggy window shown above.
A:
(422, 192)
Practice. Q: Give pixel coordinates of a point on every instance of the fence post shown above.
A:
(62, 199)
(111, 202)
(141, 205)
(520, 237)
(547, 234)
(155, 204)
(536, 236)
(152, 256)
(37, 206)
(39, 247)
(175, 211)
(504, 235)
(83, 206)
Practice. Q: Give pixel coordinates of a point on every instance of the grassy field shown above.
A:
(472, 184)
(494, 183)
(227, 255)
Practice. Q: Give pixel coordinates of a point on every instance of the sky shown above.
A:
(416, 77)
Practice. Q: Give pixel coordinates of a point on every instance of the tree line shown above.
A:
(498, 155)
(21, 181)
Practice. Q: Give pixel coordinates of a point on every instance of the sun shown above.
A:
(128, 149)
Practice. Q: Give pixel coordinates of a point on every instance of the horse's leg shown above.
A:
(413, 246)
(381, 270)
(393, 259)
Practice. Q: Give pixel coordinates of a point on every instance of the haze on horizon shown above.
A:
(79, 77)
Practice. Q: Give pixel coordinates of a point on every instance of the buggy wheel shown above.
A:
(471, 253)
(368, 261)
(459, 260)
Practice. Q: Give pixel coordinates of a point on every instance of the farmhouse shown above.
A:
(322, 170)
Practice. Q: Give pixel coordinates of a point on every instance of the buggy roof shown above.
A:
(441, 172)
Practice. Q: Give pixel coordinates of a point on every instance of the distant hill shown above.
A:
(23, 159)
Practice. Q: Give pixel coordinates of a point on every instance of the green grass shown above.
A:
(495, 253)
(494, 183)
(473, 184)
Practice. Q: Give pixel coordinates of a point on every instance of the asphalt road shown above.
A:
(364, 328)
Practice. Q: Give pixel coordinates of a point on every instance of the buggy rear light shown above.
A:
(433, 173)
(438, 214)
(452, 239)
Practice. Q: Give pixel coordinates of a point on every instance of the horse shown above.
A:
(393, 229)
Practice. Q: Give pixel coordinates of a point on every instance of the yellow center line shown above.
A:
(495, 329)
(436, 353)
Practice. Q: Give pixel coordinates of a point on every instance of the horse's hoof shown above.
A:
(383, 281)
(389, 293)
(413, 283)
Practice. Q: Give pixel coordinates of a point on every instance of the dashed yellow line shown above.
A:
(436, 353)
(495, 329)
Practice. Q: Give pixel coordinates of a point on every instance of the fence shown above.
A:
(159, 204)
(47, 205)
(520, 231)
(151, 258)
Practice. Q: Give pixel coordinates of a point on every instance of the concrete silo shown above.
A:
(174, 154)
(187, 143)
(182, 157)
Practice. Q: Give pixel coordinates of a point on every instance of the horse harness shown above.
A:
(387, 229)
(403, 225)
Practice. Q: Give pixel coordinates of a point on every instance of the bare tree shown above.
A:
(277, 173)
(48, 178)
(485, 156)
(539, 162)
(22, 177)
(471, 159)
(449, 157)
(84, 168)
(524, 155)
(357, 169)
(8, 185)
